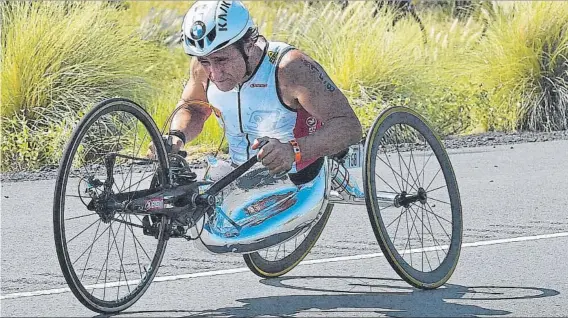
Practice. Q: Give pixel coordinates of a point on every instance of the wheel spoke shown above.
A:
(429, 184)
(421, 173)
(388, 206)
(106, 263)
(81, 216)
(425, 163)
(414, 227)
(389, 165)
(135, 246)
(120, 256)
(138, 151)
(438, 188)
(385, 183)
(407, 239)
(407, 167)
(431, 198)
(415, 169)
(73, 196)
(137, 184)
(74, 237)
(277, 251)
(130, 173)
(436, 215)
(90, 250)
(399, 159)
(126, 222)
(118, 146)
(421, 238)
(394, 173)
(431, 233)
(90, 246)
(399, 218)
(140, 244)
(143, 177)
(438, 219)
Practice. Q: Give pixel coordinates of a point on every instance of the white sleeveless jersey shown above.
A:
(255, 109)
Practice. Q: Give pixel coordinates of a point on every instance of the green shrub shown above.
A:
(27, 144)
(523, 67)
(60, 58)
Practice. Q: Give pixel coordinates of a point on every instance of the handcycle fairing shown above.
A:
(265, 214)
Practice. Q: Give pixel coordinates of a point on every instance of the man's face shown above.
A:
(225, 68)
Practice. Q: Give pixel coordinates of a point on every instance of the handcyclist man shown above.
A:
(259, 90)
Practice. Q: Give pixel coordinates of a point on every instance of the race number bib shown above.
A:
(354, 158)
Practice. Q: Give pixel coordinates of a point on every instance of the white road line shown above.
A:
(310, 262)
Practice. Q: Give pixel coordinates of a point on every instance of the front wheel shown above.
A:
(109, 257)
(412, 198)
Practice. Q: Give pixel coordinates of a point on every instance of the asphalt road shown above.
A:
(513, 260)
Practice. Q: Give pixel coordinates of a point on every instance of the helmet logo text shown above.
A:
(223, 16)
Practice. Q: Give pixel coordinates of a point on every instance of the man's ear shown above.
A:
(248, 45)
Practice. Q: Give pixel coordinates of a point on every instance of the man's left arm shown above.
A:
(303, 83)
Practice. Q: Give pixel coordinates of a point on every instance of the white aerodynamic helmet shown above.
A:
(210, 26)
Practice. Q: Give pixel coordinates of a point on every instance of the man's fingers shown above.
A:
(276, 169)
(277, 166)
(258, 141)
(265, 150)
(150, 155)
(150, 151)
(268, 159)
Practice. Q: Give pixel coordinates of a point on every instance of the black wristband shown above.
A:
(178, 133)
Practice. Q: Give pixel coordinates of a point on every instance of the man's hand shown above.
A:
(275, 155)
(176, 145)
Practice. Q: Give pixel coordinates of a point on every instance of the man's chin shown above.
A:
(225, 86)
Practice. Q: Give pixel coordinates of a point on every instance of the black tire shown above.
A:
(114, 120)
(417, 136)
(264, 267)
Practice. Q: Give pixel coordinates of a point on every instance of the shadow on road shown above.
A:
(356, 296)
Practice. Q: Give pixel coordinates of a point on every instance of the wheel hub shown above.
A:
(104, 209)
(405, 200)
(422, 195)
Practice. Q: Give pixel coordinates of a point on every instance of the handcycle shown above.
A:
(115, 209)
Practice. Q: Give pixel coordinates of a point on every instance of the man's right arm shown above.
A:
(191, 116)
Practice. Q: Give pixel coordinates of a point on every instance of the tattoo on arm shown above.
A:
(324, 79)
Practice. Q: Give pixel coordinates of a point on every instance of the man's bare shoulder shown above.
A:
(293, 64)
(297, 70)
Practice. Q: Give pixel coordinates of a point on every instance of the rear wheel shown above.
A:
(109, 257)
(412, 198)
(279, 260)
